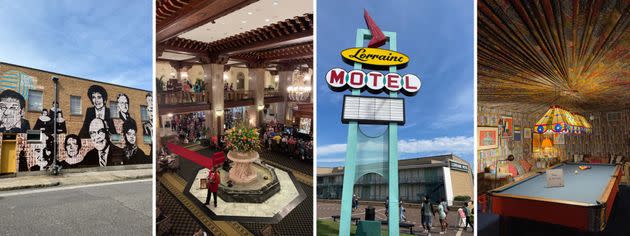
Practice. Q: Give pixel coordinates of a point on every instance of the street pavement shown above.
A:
(114, 208)
(325, 211)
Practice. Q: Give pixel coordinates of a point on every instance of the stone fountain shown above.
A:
(251, 181)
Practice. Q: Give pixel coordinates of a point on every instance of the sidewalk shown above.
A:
(75, 177)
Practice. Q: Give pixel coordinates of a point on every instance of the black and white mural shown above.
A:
(12, 118)
(103, 140)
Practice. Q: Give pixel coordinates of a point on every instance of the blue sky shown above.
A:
(109, 41)
(438, 38)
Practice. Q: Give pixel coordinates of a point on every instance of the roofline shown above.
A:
(409, 167)
(75, 77)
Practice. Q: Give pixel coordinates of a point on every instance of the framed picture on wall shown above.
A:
(506, 126)
(527, 133)
(517, 134)
(488, 137)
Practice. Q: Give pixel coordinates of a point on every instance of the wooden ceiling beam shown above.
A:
(173, 21)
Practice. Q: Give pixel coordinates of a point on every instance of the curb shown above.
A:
(60, 182)
(30, 186)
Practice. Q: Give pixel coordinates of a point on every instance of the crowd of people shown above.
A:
(279, 138)
(190, 128)
(428, 211)
(184, 91)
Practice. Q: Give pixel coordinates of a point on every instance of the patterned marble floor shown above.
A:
(297, 222)
(269, 208)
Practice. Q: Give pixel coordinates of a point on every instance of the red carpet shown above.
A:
(195, 157)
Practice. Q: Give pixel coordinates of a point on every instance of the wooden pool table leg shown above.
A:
(503, 225)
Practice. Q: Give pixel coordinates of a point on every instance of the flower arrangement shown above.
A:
(242, 138)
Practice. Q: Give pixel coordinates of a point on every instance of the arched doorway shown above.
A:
(240, 81)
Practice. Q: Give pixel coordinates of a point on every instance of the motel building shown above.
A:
(93, 118)
(444, 176)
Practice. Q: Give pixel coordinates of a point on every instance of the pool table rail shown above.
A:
(582, 215)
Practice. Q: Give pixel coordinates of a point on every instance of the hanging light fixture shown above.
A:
(300, 88)
(560, 121)
(587, 127)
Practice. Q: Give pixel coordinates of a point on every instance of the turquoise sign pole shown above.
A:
(350, 168)
(351, 156)
(393, 221)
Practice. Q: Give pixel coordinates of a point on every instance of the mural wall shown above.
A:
(104, 137)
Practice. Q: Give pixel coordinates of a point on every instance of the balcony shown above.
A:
(181, 102)
(273, 96)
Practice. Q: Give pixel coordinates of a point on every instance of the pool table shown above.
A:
(585, 201)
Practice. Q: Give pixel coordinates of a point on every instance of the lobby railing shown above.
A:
(181, 97)
(238, 95)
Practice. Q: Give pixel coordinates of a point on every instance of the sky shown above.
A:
(109, 41)
(438, 38)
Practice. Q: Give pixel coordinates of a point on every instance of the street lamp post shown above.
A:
(54, 167)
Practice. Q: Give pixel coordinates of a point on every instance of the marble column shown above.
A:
(213, 77)
(257, 86)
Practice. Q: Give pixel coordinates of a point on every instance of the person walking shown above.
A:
(427, 212)
(214, 179)
(402, 212)
(444, 204)
(442, 215)
(468, 217)
(387, 206)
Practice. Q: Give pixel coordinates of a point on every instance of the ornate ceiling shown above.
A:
(532, 54)
(285, 41)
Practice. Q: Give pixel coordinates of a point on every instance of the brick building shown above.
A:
(444, 176)
(93, 128)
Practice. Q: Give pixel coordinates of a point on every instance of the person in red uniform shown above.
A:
(213, 185)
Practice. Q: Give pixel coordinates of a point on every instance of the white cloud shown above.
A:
(330, 149)
(458, 144)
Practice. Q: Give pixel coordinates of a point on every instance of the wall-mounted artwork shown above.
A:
(488, 137)
(527, 133)
(506, 127)
(517, 134)
(12, 117)
(17, 81)
(98, 97)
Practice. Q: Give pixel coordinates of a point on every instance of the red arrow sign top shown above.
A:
(378, 38)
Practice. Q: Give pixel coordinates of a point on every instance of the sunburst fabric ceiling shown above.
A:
(532, 54)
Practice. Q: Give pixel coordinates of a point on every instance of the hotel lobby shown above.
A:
(224, 67)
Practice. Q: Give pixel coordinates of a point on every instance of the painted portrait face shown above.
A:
(131, 136)
(123, 104)
(97, 100)
(97, 134)
(72, 148)
(150, 112)
(39, 154)
(149, 101)
(11, 110)
(45, 113)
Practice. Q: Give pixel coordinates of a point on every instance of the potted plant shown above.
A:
(242, 142)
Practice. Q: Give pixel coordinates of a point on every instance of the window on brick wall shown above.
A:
(35, 100)
(143, 113)
(113, 109)
(75, 105)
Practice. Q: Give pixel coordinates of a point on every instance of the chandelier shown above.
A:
(300, 88)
